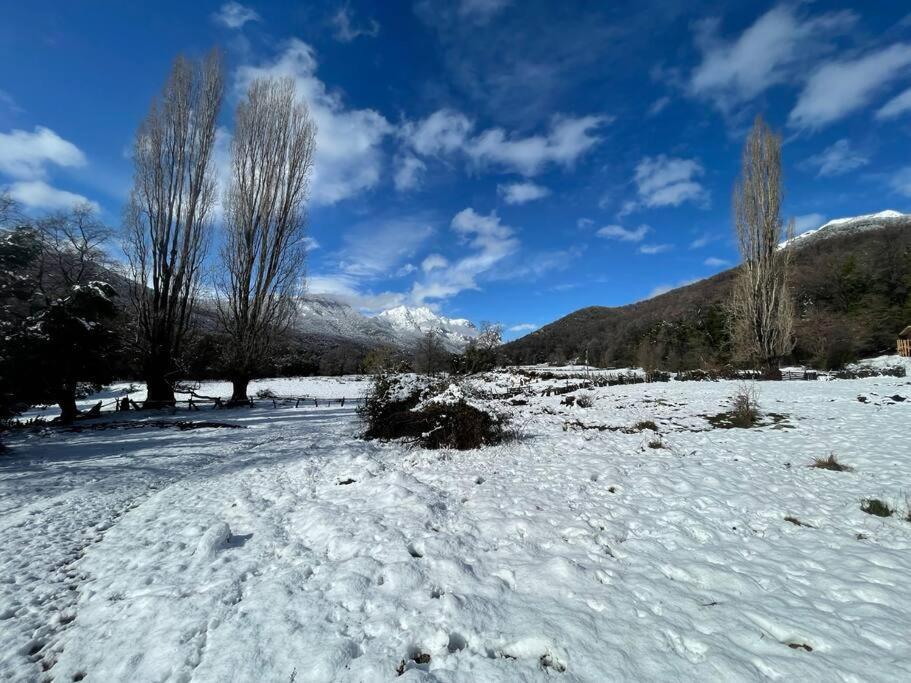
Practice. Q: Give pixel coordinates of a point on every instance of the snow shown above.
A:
(400, 326)
(292, 550)
(873, 221)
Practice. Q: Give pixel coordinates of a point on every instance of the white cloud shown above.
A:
(568, 139)
(837, 159)
(618, 232)
(234, 15)
(520, 193)
(837, 89)
(408, 172)
(714, 262)
(449, 132)
(703, 240)
(651, 249)
(659, 105)
(433, 262)
(898, 105)
(668, 181)
(346, 289)
(901, 181)
(481, 11)
(808, 222)
(377, 249)
(490, 242)
(37, 194)
(349, 141)
(522, 327)
(771, 51)
(25, 155)
(585, 223)
(443, 132)
(346, 31)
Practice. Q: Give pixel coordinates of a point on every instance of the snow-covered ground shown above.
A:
(293, 551)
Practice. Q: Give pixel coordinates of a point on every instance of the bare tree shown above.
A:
(762, 311)
(264, 253)
(168, 216)
(72, 250)
(430, 355)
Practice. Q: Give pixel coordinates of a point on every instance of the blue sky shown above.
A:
(493, 159)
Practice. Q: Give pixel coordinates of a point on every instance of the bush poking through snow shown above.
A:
(585, 401)
(392, 412)
(831, 463)
(874, 506)
(744, 412)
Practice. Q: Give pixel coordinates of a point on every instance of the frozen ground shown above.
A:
(292, 551)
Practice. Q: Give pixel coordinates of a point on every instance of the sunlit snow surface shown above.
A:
(291, 550)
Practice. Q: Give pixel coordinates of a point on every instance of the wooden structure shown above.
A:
(904, 342)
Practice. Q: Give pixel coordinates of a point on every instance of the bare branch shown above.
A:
(264, 252)
(169, 214)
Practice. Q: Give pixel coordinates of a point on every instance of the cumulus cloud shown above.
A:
(489, 242)
(522, 327)
(898, 105)
(668, 181)
(408, 172)
(520, 193)
(773, 50)
(837, 159)
(26, 154)
(618, 232)
(839, 88)
(567, 140)
(346, 30)
(37, 194)
(234, 15)
(349, 154)
(433, 262)
(447, 132)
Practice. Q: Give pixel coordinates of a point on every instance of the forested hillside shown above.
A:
(852, 292)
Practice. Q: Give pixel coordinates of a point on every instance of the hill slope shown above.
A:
(851, 279)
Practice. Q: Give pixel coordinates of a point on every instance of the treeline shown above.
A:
(852, 297)
(69, 319)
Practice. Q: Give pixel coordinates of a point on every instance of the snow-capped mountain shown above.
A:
(455, 332)
(401, 327)
(843, 226)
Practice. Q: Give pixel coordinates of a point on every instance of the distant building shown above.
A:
(904, 342)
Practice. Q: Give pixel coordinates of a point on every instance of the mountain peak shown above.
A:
(841, 226)
(401, 326)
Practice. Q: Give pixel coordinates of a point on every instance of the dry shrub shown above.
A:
(831, 463)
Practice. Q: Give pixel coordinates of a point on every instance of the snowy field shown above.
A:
(592, 549)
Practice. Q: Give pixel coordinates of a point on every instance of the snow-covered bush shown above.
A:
(431, 415)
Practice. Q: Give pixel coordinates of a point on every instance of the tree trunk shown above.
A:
(159, 393)
(239, 390)
(67, 402)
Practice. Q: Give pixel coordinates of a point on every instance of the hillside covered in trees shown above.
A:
(852, 293)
